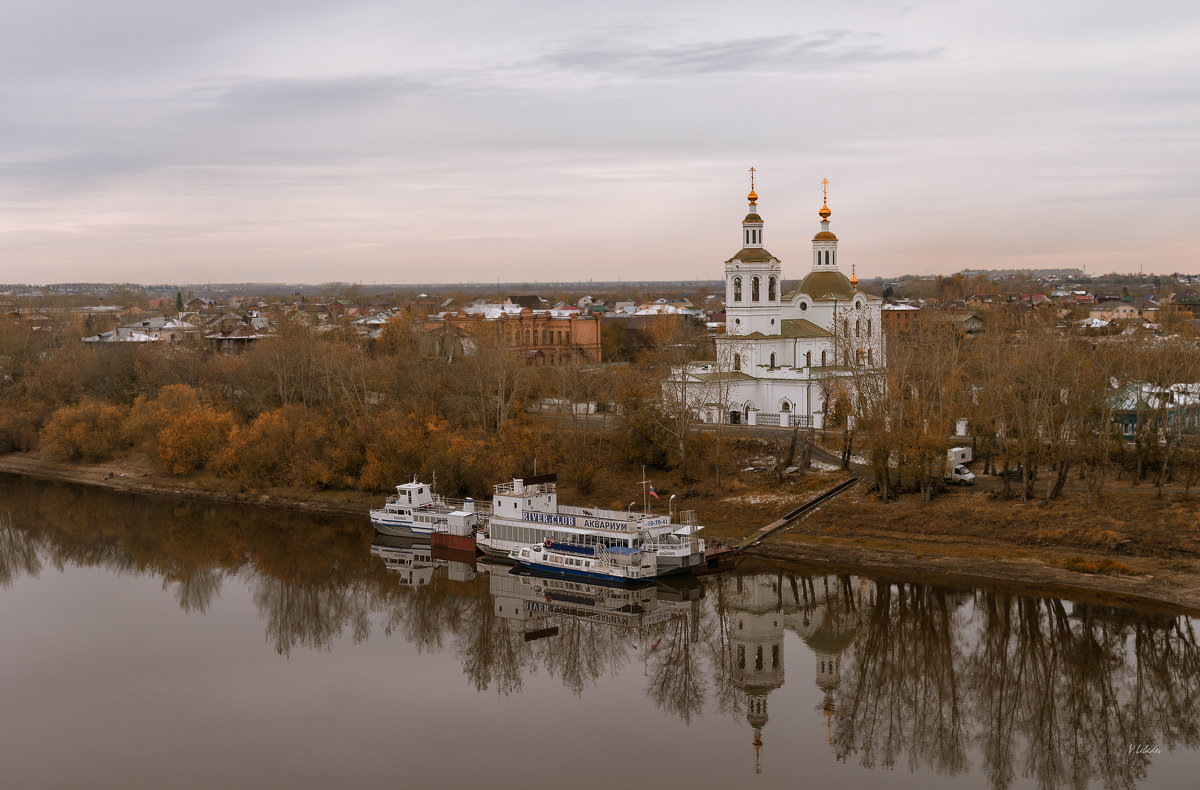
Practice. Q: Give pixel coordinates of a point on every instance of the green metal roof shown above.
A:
(827, 286)
(753, 255)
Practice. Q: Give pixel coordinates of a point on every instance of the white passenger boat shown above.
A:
(416, 511)
(526, 512)
(610, 564)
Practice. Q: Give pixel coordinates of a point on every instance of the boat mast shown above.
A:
(645, 496)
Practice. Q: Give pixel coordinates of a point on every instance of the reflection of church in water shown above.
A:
(761, 609)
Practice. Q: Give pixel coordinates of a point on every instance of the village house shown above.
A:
(1113, 311)
(541, 337)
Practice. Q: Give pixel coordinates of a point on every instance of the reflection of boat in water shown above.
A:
(528, 597)
(416, 511)
(611, 564)
(410, 559)
(526, 513)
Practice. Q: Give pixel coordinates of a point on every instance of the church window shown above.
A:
(754, 289)
(870, 357)
(803, 306)
(758, 657)
(526, 337)
(749, 235)
(737, 361)
(772, 361)
(785, 406)
(858, 327)
(868, 327)
(774, 656)
(771, 290)
(826, 257)
(822, 359)
(737, 289)
(808, 359)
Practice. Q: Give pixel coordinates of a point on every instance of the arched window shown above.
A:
(526, 337)
(858, 327)
(772, 361)
(785, 406)
(737, 361)
(771, 290)
(870, 357)
(822, 359)
(737, 289)
(753, 289)
(868, 327)
(808, 359)
(846, 327)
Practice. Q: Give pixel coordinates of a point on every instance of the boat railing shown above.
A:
(440, 501)
(597, 512)
(526, 488)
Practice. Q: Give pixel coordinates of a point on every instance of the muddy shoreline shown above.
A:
(1163, 587)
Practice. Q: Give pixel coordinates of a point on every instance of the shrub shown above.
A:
(17, 431)
(89, 431)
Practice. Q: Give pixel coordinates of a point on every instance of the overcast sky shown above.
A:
(294, 140)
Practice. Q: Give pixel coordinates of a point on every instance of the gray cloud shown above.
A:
(785, 54)
(295, 96)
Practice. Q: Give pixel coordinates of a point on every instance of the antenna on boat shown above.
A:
(645, 496)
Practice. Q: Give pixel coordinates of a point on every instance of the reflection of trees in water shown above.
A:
(1054, 697)
(903, 696)
(18, 553)
(491, 650)
(676, 680)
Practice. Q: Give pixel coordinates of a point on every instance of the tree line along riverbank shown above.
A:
(853, 531)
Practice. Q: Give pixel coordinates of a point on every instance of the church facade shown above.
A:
(783, 355)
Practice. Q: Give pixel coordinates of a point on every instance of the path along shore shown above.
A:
(1159, 585)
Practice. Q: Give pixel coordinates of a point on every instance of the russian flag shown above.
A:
(654, 493)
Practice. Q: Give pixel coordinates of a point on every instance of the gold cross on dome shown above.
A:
(825, 190)
(752, 179)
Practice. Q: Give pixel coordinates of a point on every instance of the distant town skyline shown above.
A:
(305, 141)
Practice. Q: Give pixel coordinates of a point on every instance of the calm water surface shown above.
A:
(154, 643)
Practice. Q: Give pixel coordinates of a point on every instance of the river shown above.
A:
(153, 643)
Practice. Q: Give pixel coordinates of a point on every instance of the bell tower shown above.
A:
(752, 279)
(825, 243)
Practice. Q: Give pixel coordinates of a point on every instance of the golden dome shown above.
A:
(854, 280)
(825, 212)
(825, 236)
(753, 198)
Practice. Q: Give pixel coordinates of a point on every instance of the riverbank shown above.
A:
(1145, 551)
(140, 477)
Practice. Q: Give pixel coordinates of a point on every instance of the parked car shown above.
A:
(1013, 472)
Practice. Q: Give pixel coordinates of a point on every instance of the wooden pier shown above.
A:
(755, 537)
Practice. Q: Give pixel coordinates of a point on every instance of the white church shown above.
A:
(781, 354)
